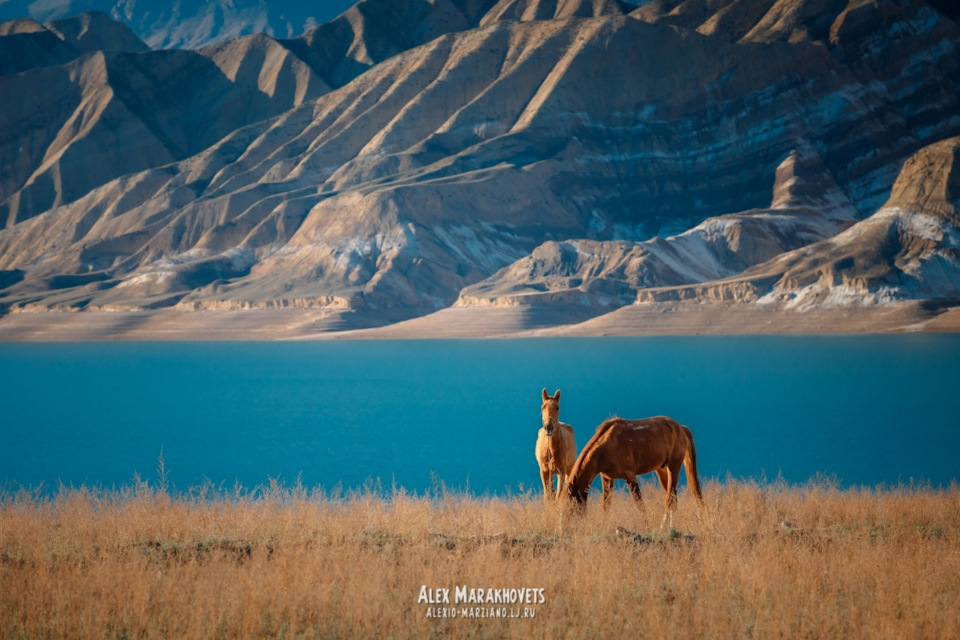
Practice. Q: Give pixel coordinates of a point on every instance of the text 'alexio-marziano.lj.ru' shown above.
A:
(473, 602)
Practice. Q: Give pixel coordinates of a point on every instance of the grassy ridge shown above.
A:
(290, 563)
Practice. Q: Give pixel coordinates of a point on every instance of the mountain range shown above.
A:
(586, 163)
(188, 24)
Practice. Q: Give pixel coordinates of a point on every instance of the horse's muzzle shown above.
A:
(548, 428)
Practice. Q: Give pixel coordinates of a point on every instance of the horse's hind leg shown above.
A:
(664, 477)
(561, 480)
(673, 477)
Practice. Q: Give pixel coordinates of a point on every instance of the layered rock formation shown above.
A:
(411, 155)
(806, 206)
(908, 250)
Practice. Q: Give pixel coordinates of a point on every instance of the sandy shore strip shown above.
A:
(488, 322)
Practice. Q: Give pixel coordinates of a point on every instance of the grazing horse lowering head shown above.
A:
(576, 505)
(626, 449)
(550, 411)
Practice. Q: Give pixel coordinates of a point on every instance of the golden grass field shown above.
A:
(293, 563)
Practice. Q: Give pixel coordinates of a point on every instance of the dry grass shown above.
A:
(289, 563)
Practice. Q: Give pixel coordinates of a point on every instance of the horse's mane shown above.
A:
(603, 426)
(602, 429)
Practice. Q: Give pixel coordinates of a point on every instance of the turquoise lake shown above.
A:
(861, 410)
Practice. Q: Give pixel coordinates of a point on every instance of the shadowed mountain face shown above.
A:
(188, 23)
(382, 25)
(78, 125)
(908, 250)
(409, 155)
(807, 206)
(26, 44)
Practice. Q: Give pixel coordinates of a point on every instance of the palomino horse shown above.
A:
(556, 447)
(628, 448)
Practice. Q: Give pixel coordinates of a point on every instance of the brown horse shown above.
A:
(628, 448)
(556, 446)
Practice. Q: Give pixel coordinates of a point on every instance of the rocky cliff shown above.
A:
(908, 250)
(409, 156)
(806, 206)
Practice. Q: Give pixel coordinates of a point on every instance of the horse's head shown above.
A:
(573, 498)
(550, 411)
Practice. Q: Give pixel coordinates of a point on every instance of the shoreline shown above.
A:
(657, 319)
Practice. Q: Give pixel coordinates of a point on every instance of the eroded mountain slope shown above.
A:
(377, 176)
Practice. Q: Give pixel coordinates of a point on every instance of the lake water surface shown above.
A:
(863, 410)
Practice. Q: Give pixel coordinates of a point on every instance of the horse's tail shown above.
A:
(690, 464)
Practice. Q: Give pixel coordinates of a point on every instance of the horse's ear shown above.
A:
(544, 394)
(556, 396)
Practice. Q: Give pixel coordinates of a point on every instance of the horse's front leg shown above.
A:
(635, 492)
(547, 485)
(607, 483)
(561, 481)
